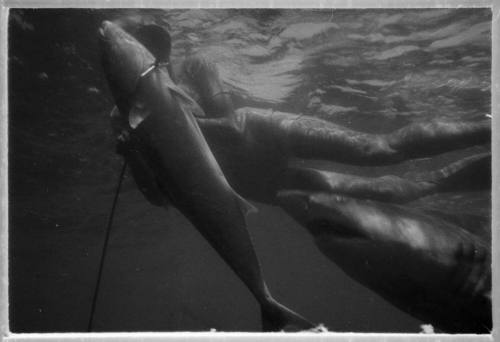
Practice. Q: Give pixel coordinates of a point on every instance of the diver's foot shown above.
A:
(277, 317)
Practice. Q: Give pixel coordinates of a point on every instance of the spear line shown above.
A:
(105, 247)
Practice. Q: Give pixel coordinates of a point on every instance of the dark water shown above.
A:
(372, 70)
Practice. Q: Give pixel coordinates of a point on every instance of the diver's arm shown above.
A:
(201, 76)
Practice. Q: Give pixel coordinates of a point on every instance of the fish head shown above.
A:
(322, 213)
(124, 58)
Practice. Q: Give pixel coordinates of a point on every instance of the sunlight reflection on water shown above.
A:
(274, 60)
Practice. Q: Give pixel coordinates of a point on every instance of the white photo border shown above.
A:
(7, 336)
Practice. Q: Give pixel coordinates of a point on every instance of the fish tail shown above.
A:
(277, 317)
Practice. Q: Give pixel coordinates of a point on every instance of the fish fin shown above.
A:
(246, 206)
(138, 112)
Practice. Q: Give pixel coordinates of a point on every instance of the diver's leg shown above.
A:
(471, 173)
(467, 174)
(387, 188)
(431, 138)
(313, 138)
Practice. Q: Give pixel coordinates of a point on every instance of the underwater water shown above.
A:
(369, 70)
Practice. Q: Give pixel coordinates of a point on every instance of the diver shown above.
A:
(254, 146)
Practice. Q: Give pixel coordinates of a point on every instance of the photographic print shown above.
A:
(249, 170)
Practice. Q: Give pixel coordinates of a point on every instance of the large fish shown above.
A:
(435, 268)
(186, 170)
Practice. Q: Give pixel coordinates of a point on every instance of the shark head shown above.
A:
(321, 213)
(124, 58)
